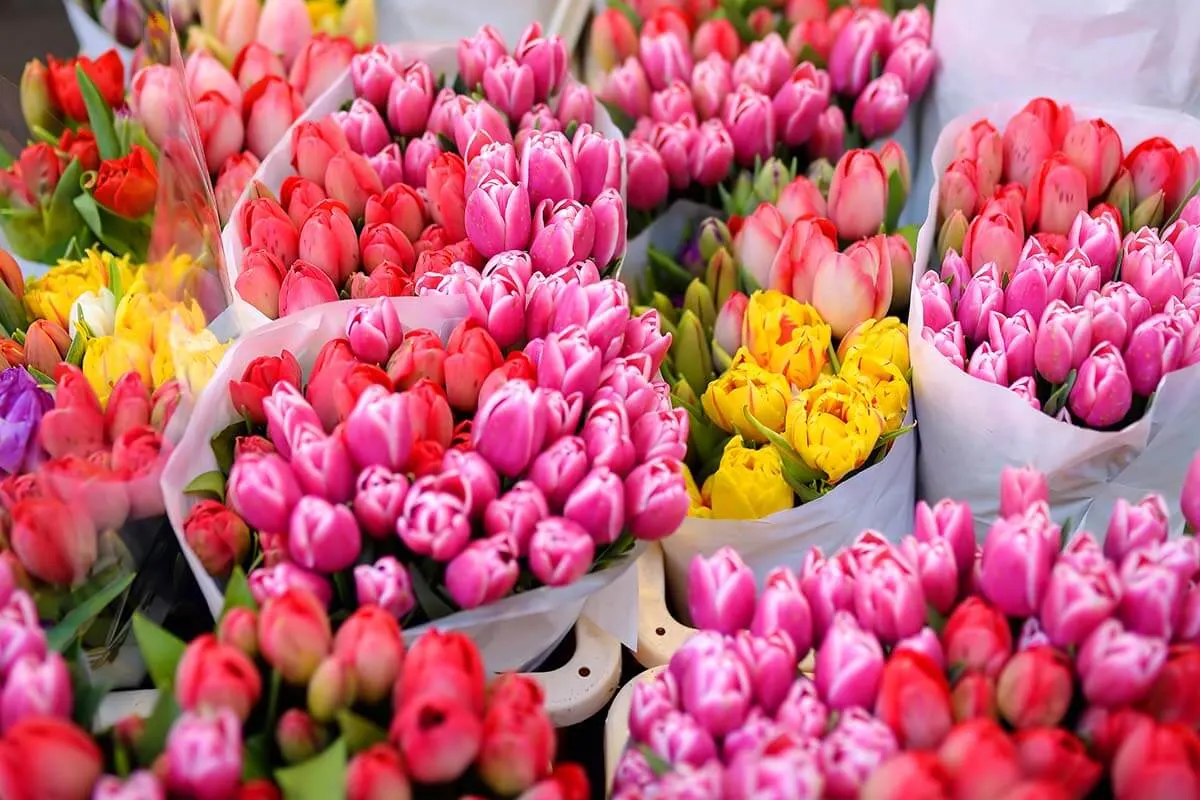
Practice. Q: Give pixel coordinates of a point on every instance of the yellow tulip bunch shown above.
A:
(803, 416)
(125, 318)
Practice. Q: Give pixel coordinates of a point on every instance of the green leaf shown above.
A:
(627, 11)
(90, 211)
(42, 378)
(891, 436)
(208, 484)
(12, 311)
(100, 116)
(897, 197)
(434, 607)
(797, 472)
(359, 732)
(256, 757)
(622, 120)
(460, 85)
(160, 650)
(910, 232)
(62, 635)
(114, 280)
(322, 777)
(447, 143)
(669, 275)
(1059, 397)
(68, 188)
(6, 159)
(86, 694)
(153, 740)
(833, 359)
(78, 347)
(934, 620)
(657, 764)
(237, 593)
(225, 441)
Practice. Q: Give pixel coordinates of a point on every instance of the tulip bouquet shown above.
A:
(1067, 276)
(400, 210)
(942, 669)
(429, 475)
(227, 26)
(701, 122)
(89, 176)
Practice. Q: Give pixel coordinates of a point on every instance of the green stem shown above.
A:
(833, 359)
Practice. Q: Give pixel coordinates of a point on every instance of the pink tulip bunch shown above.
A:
(461, 464)
(700, 117)
(798, 240)
(34, 680)
(942, 669)
(1061, 330)
(243, 112)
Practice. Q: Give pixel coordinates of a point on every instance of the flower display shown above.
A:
(804, 381)
(1025, 665)
(1085, 317)
(701, 107)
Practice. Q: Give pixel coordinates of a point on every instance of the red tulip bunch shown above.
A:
(1024, 668)
(700, 109)
(1085, 317)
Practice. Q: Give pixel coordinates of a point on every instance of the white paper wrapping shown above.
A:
(1115, 52)
(971, 429)
(880, 498)
(416, 20)
(277, 166)
(94, 40)
(513, 634)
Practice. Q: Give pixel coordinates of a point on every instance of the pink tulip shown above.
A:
(681, 738)
(204, 752)
(1021, 490)
(609, 212)
(373, 71)
(546, 56)
(675, 142)
(365, 129)
(799, 103)
(1099, 239)
(1058, 192)
(386, 584)
(628, 88)
(672, 103)
(598, 160)
(374, 331)
(1095, 148)
(656, 500)
(1152, 596)
(560, 552)
(509, 429)
(509, 86)
(718, 693)
(260, 281)
(287, 411)
(328, 241)
(858, 195)
(758, 242)
(444, 182)
(1073, 279)
(410, 100)
(648, 182)
(263, 491)
(889, 601)
(849, 665)
(379, 430)
(434, 523)
(1029, 289)
(1116, 667)
(994, 237)
(155, 98)
(235, 175)
(36, 688)
(858, 42)
(829, 139)
(935, 564)
(351, 181)
(1015, 567)
(1102, 394)
(782, 608)
(1027, 144)
(220, 125)
(1014, 337)
(1152, 267)
(498, 216)
(666, 59)
(384, 243)
(958, 189)
(711, 83)
(313, 145)
(913, 62)
(319, 64)
(853, 751)
(849, 288)
(379, 500)
(802, 710)
(1063, 341)
(486, 571)
(951, 522)
(982, 147)
(880, 109)
(268, 110)
(204, 74)
(1155, 348)
(322, 467)
(749, 117)
(1135, 526)
(1077, 601)
(478, 52)
(548, 168)
(323, 537)
(285, 27)
(721, 592)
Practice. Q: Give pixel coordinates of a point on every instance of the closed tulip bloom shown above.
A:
(1135, 526)
(1073, 279)
(1155, 348)
(313, 145)
(204, 755)
(993, 237)
(263, 491)
(1015, 567)
(410, 101)
(1027, 144)
(268, 110)
(1063, 342)
(856, 44)
(856, 748)
(656, 499)
(1021, 489)
(1057, 194)
(722, 592)
(323, 468)
(563, 233)
(220, 125)
(365, 130)
(483, 573)
(782, 608)
(509, 429)
(888, 600)
(880, 109)
(1099, 238)
(952, 522)
(476, 53)
(386, 584)
(351, 180)
(1077, 600)
(1152, 598)
(718, 693)
(379, 500)
(913, 62)
(989, 365)
(750, 120)
(498, 216)
(958, 189)
(262, 223)
(799, 103)
(323, 537)
(560, 552)
(758, 242)
(1102, 394)
(666, 59)
(628, 88)
(598, 160)
(672, 104)
(36, 688)
(939, 312)
(648, 181)
(434, 523)
(711, 83)
(373, 72)
(304, 286)
(1014, 338)
(203, 74)
(711, 154)
(328, 241)
(849, 664)
(1152, 267)
(858, 195)
(1117, 667)
(855, 286)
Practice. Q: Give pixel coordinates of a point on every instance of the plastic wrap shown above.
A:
(971, 429)
(513, 634)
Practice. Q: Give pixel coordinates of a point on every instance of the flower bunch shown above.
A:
(229, 25)
(34, 680)
(88, 177)
(1080, 322)
(244, 111)
(1039, 668)
(700, 120)
(461, 466)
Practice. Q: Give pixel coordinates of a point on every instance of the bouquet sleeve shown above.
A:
(971, 429)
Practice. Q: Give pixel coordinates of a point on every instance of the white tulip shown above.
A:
(99, 310)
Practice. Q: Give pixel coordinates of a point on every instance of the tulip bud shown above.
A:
(298, 736)
(952, 235)
(1102, 393)
(37, 98)
(1117, 668)
(849, 664)
(294, 634)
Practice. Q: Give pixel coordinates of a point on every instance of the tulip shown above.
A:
(656, 499)
(1155, 348)
(35, 689)
(323, 537)
(255, 62)
(750, 120)
(218, 537)
(313, 145)
(1118, 667)
(268, 110)
(721, 595)
(849, 664)
(322, 60)
(410, 101)
(509, 428)
(1153, 596)
(711, 83)
(628, 88)
(598, 160)
(351, 180)
(613, 39)
(560, 551)
(328, 241)
(373, 72)
(204, 758)
(914, 700)
(478, 52)
(672, 104)
(1058, 192)
(365, 130)
(547, 57)
(977, 636)
(880, 109)
(858, 195)
(54, 541)
(46, 344)
(711, 154)
(203, 73)
(994, 238)
(1152, 267)
(1189, 500)
(855, 45)
(1063, 341)
(913, 62)
(648, 181)
(869, 293)
(439, 752)
(1034, 689)
(853, 750)
(212, 675)
(498, 216)
(294, 634)
(1102, 394)
(444, 183)
(304, 286)
(277, 580)
(220, 125)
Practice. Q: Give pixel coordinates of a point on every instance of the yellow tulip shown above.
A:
(786, 336)
(887, 337)
(151, 317)
(108, 358)
(882, 383)
(358, 21)
(747, 387)
(191, 357)
(325, 16)
(749, 483)
(175, 276)
(50, 296)
(833, 427)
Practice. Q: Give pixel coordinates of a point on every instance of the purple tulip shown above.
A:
(926, 643)
(1155, 348)
(1135, 526)
(510, 428)
(828, 587)
(1116, 667)
(853, 750)
(1077, 601)
(486, 571)
(435, 524)
(516, 514)
(1102, 394)
(849, 665)
(981, 297)
(597, 504)
(22, 405)
(386, 584)
(36, 687)
(1100, 240)
(654, 697)
(718, 693)
(888, 600)
(1015, 567)
(1152, 267)
(802, 710)
(263, 491)
(1152, 596)
(771, 665)
(560, 552)
(721, 592)
(782, 608)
